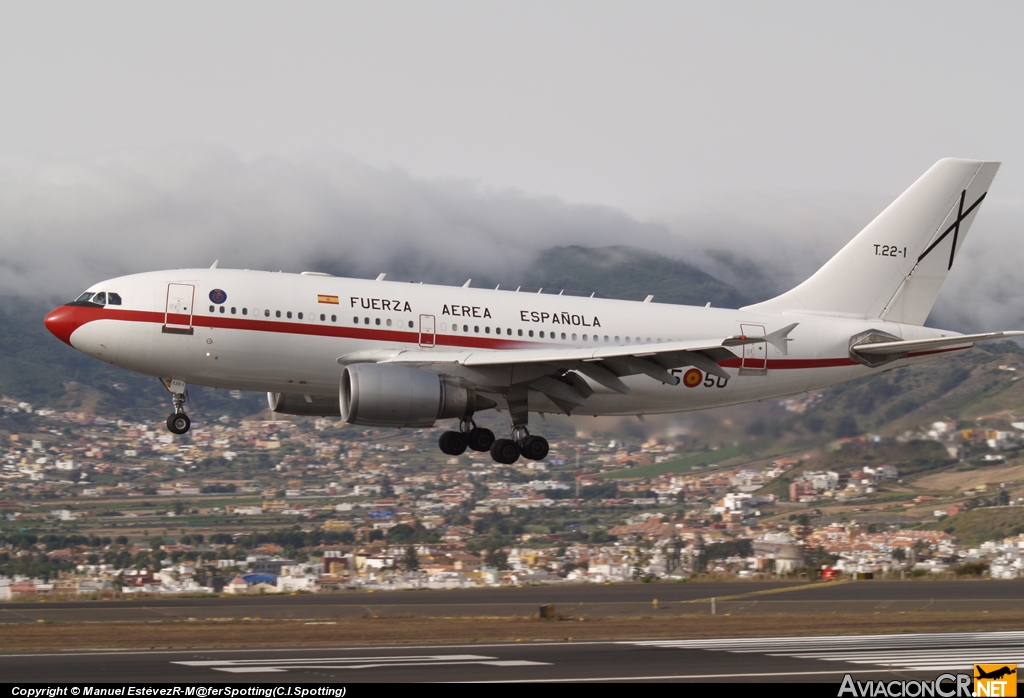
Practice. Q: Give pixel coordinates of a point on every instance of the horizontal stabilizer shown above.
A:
(906, 346)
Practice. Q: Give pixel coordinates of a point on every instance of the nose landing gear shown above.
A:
(178, 422)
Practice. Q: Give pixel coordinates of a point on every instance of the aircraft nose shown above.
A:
(63, 321)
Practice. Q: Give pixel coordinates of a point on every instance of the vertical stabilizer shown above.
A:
(894, 268)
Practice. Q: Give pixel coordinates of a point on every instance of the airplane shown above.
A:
(389, 354)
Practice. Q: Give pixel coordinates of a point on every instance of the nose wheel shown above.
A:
(178, 422)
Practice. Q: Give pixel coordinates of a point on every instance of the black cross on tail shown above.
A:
(955, 228)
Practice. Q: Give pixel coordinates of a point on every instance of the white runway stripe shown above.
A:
(928, 652)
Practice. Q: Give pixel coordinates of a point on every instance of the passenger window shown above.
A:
(509, 332)
(222, 310)
(277, 313)
(616, 339)
(300, 315)
(476, 328)
(377, 322)
(245, 311)
(389, 323)
(234, 311)
(266, 313)
(355, 320)
(334, 318)
(410, 324)
(563, 335)
(113, 299)
(465, 328)
(574, 336)
(211, 309)
(366, 321)
(584, 338)
(487, 330)
(288, 314)
(542, 334)
(520, 333)
(531, 333)
(100, 298)
(322, 317)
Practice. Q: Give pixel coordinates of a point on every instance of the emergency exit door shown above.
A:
(178, 314)
(427, 336)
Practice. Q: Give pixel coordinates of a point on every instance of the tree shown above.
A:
(1004, 498)
(899, 554)
(497, 559)
(411, 561)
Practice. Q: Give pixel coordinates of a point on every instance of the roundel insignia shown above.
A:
(218, 296)
(692, 378)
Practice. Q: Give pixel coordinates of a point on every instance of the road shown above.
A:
(818, 659)
(617, 600)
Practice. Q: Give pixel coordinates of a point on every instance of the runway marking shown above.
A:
(252, 666)
(762, 592)
(591, 679)
(926, 652)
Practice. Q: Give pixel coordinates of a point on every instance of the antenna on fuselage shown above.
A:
(215, 263)
(380, 277)
(466, 285)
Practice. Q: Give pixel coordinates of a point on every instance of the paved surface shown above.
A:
(590, 600)
(819, 659)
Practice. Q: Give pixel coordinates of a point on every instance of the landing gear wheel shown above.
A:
(534, 447)
(453, 443)
(505, 451)
(480, 439)
(179, 423)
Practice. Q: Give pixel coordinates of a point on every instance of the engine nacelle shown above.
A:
(399, 396)
(284, 403)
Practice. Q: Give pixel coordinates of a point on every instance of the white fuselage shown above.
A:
(290, 333)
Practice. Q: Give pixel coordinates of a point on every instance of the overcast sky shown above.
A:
(179, 129)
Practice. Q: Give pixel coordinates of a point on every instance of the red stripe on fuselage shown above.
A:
(63, 321)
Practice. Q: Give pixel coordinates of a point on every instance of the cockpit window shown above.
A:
(113, 299)
(87, 296)
(100, 298)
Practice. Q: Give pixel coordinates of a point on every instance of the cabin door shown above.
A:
(755, 356)
(178, 314)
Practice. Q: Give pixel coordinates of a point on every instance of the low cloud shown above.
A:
(65, 225)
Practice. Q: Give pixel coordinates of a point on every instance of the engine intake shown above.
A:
(310, 406)
(399, 396)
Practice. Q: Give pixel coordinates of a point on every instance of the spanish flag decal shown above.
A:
(333, 300)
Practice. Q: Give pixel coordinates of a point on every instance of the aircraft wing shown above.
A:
(604, 365)
(905, 346)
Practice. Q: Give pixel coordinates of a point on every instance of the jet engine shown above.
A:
(307, 405)
(399, 396)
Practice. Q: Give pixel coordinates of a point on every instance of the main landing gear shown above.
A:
(178, 423)
(522, 443)
(454, 443)
(506, 451)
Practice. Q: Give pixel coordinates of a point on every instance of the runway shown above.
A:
(617, 600)
(818, 659)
